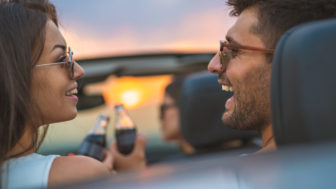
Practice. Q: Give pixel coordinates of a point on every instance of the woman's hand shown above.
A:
(133, 161)
(109, 161)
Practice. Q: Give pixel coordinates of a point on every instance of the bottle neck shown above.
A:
(100, 126)
(123, 120)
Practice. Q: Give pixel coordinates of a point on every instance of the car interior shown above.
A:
(303, 118)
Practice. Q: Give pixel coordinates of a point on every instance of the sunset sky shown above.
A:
(115, 27)
(96, 28)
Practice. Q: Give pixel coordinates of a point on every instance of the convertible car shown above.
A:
(303, 115)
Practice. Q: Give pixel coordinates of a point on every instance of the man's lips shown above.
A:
(229, 103)
(227, 86)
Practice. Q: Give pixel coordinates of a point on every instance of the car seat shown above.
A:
(303, 89)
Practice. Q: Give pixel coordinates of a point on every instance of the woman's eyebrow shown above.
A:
(58, 46)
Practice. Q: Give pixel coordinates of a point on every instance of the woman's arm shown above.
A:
(69, 169)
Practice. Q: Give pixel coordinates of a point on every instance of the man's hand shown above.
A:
(133, 161)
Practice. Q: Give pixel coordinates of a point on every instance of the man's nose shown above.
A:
(214, 65)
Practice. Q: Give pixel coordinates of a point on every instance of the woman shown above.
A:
(170, 117)
(38, 87)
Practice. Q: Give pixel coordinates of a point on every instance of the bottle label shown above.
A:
(125, 140)
(92, 150)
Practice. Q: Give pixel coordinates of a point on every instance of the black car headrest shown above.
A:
(303, 89)
(202, 104)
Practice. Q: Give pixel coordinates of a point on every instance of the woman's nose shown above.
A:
(78, 71)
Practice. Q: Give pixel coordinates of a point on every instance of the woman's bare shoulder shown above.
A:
(68, 169)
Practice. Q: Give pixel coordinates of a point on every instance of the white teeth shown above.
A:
(231, 89)
(75, 91)
(72, 92)
(227, 88)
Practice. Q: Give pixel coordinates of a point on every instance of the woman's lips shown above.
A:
(73, 91)
(73, 97)
(72, 94)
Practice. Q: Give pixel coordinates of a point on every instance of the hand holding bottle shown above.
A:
(133, 161)
(109, 161)
(125, 130)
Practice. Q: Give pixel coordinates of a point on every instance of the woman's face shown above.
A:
(53, 89)
(170, 120)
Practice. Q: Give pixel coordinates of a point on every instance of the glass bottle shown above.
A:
(95, 141)
(125, 130)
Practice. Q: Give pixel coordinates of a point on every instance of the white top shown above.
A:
(31, 171)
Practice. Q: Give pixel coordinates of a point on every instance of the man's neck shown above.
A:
(268, 142)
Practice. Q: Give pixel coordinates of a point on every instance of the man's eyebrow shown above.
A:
(232, 41)
(58, 46)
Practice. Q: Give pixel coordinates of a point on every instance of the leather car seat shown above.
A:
(303, 86)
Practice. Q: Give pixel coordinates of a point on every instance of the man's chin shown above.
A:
(226, 117)
(229, 121)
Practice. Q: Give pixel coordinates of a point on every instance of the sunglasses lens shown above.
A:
(221, 45)
(223, 59)
(71, 63)
(224, 56)
(72, 69)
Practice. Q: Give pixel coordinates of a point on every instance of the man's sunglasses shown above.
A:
(227, 55)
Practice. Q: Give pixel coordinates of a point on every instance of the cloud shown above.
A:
(166, 25)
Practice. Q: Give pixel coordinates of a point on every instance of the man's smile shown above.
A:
(226, 85)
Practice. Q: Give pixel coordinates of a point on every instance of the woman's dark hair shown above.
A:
(22, 37)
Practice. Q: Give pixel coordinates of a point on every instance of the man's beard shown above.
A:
(251, 105)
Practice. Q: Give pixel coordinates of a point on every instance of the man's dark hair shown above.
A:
(277, 16)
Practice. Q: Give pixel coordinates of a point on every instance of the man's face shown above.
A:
(248, 73)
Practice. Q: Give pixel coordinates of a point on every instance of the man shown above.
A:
(244, 62)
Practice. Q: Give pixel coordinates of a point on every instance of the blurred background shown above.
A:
(130, 51)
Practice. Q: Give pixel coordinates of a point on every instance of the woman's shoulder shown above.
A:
(67, 169)
(18, 171)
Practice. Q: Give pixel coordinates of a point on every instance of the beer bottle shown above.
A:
(125, 130)
(95, 141)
